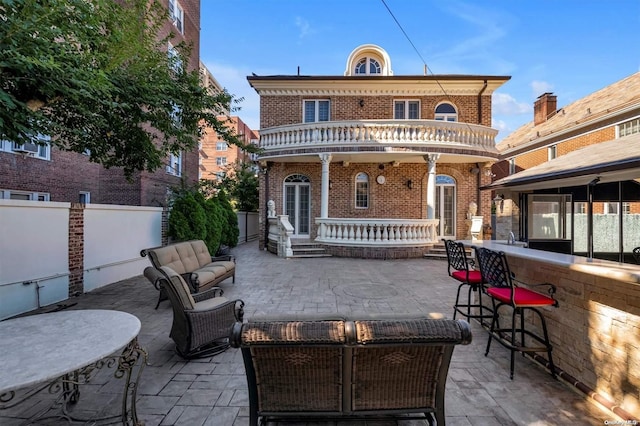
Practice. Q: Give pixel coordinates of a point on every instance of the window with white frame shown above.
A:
(176, 12)
(175, 60)
(368, 66)
(31, 149)
(512, 166)
(552, 152)
(84, 197)
(221, 161)
(176, 115)
(221, 146)
(9, 194)
(316, 110)
(629, 127)
(406, 110)
(446, 112)
(174, 167)
(362, 191)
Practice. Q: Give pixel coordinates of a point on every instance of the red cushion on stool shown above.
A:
(474, 276)
(523, 296)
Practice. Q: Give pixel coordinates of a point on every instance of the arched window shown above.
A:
(368, 66)
(362, 191)
(296, 178)
(446, 112)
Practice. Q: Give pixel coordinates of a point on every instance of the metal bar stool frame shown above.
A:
(503, 291)
(462, 269)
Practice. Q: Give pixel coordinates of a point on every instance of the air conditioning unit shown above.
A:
(25, 148)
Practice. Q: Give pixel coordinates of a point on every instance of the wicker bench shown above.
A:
(191, 259)
(339, 368)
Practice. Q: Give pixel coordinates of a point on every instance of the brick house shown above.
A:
(45, 173)
(370, 164)
(578, 169)
(216, 154)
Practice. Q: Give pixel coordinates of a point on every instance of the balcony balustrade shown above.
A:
(403, 133)
(377, 232)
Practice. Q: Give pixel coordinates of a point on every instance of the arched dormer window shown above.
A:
(362, 191)
(368, 59)
(446, 112)
(367, 66)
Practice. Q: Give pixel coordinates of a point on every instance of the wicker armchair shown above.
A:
(337, 368)
(201, 322)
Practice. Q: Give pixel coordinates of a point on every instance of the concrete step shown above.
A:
(309, 250)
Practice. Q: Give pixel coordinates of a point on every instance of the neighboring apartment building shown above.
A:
(370, 164)
(44, 173)
(216, 154)
(571, 177)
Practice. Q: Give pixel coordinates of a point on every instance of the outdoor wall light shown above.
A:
(330, 185)
(361, 103)
(474, 171)
(409, 184)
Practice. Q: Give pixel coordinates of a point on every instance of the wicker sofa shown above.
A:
(334, 367)
(191, 259)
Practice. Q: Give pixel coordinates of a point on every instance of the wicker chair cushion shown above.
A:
(168, 256)
(188, 256)
(208, 304)
(474, 276)
(523, 296)
(180, 287)
(201, 252)
(227, 265)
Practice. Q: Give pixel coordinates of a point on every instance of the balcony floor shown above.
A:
(213, 392)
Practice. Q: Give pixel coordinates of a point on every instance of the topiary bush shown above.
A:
(230, 232)
(187, 220)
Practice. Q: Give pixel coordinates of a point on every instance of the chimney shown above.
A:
(544, 107)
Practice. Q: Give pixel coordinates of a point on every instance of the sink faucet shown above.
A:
(512, 238)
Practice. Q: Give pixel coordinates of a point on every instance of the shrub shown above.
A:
(187, 220)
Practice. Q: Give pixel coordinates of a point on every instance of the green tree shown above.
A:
(83, 73)
(242, 184)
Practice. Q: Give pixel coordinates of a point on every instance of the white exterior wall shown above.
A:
(34, 240)
(113, 238)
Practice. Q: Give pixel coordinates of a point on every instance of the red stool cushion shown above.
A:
(474, 276)
(523, 296)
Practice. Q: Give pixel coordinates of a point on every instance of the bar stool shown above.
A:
(503, 292)
(462, 270)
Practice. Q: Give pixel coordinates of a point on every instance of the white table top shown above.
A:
(38, 348)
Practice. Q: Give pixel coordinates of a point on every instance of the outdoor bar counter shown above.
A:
(595, 330)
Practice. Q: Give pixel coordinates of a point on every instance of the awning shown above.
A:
(612, 161)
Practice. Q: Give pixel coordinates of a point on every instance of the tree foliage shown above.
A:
(95, 77)
(241, 183)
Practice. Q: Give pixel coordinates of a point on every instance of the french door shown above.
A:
(445, 206)
(297, 204)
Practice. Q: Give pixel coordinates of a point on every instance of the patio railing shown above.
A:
(377, 232)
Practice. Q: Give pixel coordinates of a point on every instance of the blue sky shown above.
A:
(569, 47)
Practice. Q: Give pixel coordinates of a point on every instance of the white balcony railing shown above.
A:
(377, 232)
(371, 132)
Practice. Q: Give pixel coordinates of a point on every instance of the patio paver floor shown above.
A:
(213, 391)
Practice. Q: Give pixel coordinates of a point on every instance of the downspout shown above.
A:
(479, 175)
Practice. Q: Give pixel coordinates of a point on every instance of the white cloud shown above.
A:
(540, 87)
(303, 27)
(235, 81)
(508, 105)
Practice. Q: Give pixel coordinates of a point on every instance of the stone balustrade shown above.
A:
(377, 232)
(372, 132)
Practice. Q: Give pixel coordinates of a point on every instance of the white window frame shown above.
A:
(446, 116)
(316, 110)
(221, 161)
(628, 128)
(367, 65)
(221, 146)
(33, 196)
(366, 194)
(43, 151)
(176, 13)
(406, 104)
(174, 55)
(174, 165)
(552, 152)
(86, 195)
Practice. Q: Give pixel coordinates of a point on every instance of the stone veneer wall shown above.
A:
(595, 331)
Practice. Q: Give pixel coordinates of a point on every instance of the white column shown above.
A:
(324, 201)
(431, 184)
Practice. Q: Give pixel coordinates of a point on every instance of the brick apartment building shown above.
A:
(580, 162)
(216, 154)
(45, 173)
(371, 164)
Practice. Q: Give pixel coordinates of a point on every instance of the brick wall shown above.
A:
(76, 249)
